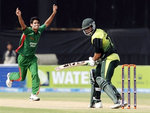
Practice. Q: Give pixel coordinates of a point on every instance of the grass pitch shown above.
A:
(65, 103)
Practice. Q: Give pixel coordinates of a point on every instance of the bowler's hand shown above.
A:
(18, 12)
(55, 7)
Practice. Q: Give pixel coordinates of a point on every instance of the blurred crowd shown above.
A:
(9, 56)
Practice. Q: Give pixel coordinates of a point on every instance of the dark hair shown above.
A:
(34, 18)
(10, 52)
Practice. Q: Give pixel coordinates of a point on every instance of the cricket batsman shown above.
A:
(26, 50)
(108, 59)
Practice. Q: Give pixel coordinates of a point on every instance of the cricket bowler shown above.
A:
(26, 50)
(108, 59)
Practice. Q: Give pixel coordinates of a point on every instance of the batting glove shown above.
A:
(91, 61)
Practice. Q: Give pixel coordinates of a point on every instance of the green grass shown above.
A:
(142, 100)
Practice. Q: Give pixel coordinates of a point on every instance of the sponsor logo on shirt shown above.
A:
(32, 44)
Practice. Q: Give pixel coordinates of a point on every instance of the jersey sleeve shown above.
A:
(27, 30)
(97, 43)
(42, 28)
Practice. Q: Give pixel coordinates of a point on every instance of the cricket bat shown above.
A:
(73, 64)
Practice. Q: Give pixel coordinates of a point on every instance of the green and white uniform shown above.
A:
(27, 59)
(109, 61)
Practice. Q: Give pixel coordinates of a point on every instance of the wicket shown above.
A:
(129, 88)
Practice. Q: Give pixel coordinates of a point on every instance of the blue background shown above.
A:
(3, 77)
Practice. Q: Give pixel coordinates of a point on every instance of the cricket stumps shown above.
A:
(128, 86)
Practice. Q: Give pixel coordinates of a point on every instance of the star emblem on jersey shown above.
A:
(31, 38)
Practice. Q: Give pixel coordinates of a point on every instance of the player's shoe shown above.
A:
(117, 105)
(97, 104)
(8, 81)
(34, 97)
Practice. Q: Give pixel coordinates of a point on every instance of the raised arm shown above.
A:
(21, 21)
(51, 17)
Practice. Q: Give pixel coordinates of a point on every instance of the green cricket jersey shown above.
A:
(102, 43)
(29, 40)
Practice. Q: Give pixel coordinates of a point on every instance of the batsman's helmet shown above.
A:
(86, 23)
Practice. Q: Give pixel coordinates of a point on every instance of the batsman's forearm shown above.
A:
(96, 56)
(50, 19)
(21, 21)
